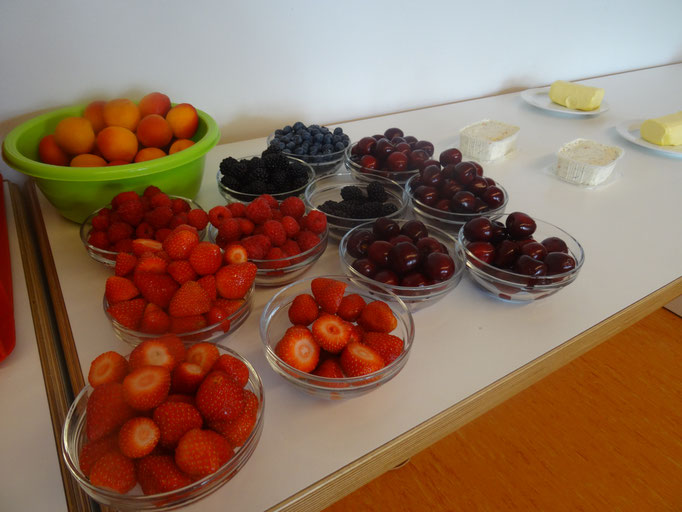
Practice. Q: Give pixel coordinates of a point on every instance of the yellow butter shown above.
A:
(576, 96)
(664, 131)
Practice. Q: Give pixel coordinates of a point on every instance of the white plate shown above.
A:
(629, 130)
(540, 98)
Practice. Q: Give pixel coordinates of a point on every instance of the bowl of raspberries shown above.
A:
(349, 201)
(282, 238)
(273, 172)
(320, 147)
(333, 338)
(164, 426)
(151, 215)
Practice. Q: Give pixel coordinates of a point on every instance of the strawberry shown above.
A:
(128, 313)
(92, 451)
(235, 280)
(118, 289)
(185, 324)
(331, 332)
(190, 300)
(160, 473)
(235, 368)
(236, 431)
(388, 346)
(197, 454)
(330, 368)
(204, 354)
(351, 306)
(182, 271)
(106, 410)
(174, 420)
(158, 289)
(358, 359)
(114, 471)
(206, 258)
(151, 262)
(187, 377)
(303, 310)
(179, 397)
(208, 284)
(250, 402)
(146, 387)
(235, 253)
(378, 317)
(154, 320)
(219, 397)
(138, 437)
(222, 445)
(142, 245)
(125, 263)
(230, 306)
(152, 353)
(217, 315)
(180, 243)
(107, 367)
(175, 346)
(297, 348)
(328, 293)
(356, 333)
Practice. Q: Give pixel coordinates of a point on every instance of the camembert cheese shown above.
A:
(663, 131)
(576, 96)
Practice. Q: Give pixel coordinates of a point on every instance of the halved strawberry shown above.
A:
(187, 377)
(106, 410)
(233, 281)
(351, 306)
(180, 242)
(219, 397)
(197, 454)
(297, 348)
(128, 313)
(143, 245)
(156, 288)
(138, 437)
(358, 359)
(154, 320)
(114, 471)
(152, 263)
(234, 367)
(175, 346)
(235, 253)
(328, 293)
(191, 299)
(107, 367)
(146, 387)
(206, 258)
(388, 346)
(160, 473)
(152, 353)
(378, 317)
(204, 354)
(174, 420)
(118, 289)
(303, 310)
(125, 264)
(331, 332)
(92, 451)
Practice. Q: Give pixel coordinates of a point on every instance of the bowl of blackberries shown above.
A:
(418, 263)
(518, 258)
(391, 155)
(348, 201)
(273, 173)
(449, 192)
(320, 147)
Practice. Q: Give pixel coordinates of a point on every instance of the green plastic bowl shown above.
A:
(77, 191)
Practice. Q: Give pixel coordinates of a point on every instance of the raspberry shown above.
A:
(229, 230)
(162, 233)
(272, 202)
(277, 215)
(131, 211)
(118, 231)
(274, 230)
(307, 240)
(197, 218)
(180, 205)
(160, 199)
(144, 230)
(151, 191)
(315, 221)
(275, 253)
(125, 245)
(99, 239)
(159, 217)
(123, 197)
(177, 220)
(100, 222)
(291, 248)
(258, 211)
(246, 226)
(237, 209)
(293, 207)
(257, 246)
(291, 227)
(218, 214)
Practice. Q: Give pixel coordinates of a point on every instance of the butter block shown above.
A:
(576, 96)
(663, 131)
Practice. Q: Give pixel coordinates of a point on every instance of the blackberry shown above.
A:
(256, 187)
(352, 193)
(376, 192)
(230, 182)
(253, 164)
(388, 209)
(279, 180)
(259, 174)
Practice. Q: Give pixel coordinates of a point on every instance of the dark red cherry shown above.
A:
(480, 206)
(378, 252)
(366, 145)
(451, 156)
(477, 186)
(439, 266)
(489, 181)
(413, 280)
(535, 250)
(520, 225)
(365, 267)
(442, 205)
(404, 257)
(462, 202)
(397, 140)
(479, 169)
(393, 132)
(530, 267)
(410, 139)
(358, 243)
(479, 229)
(400, 238)
(559, 262)
(425, 145)
(449, 171)
(427, 245)
(506, 253)
(417, 158)
(369, 162)
(499, 232)
(555, 244)
(403, 147)
(415, 229)
(465, 172)
(383, 149)
(493, 196)
(484, 251)
(397, 162)
(431, 175)
(448, 188)
(431, 161)
(427, 195)
(387, 276)
(385, 228)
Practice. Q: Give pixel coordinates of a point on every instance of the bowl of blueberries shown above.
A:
(318, 146)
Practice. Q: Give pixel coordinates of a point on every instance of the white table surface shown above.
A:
(631, 231)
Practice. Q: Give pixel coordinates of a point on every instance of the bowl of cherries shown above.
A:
(418, 263)
(392, 155)
(518, 258)
(448, 192)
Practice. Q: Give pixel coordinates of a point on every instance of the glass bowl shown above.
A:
(358, 170)
(106, 256)
(416, 297)
(274, 321)
(73, 438)
(512, 287)
(234, 196)
(328, 188)
(321, 164)
(211, 333)
(450, 221)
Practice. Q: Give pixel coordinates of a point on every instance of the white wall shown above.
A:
(257, 65)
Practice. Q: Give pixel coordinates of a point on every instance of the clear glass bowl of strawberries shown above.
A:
(163, 427)
(150, 215)
(333, 338)
(183, 286)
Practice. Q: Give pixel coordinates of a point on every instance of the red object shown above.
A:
(7, 332)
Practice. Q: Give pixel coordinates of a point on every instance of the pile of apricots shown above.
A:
(120, 131)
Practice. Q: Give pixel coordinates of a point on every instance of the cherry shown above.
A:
(525, 241)
(499, 231)
(529, 267)
(477, 186)
(442, 205)
(410, 139)
(427, 245)
(369, 162)
(449, 171)
(448, 187)
(415, 229)
(417, 158)
(465, 172)
(489, 181)
(506, 253)
(431, 161)
(366, 145)
(431, 175)
(378, 252)
(400, 238)
(365, 267)
(383, 149)
(358, 243)
(386, 276)
(520, 225)
(480, 206)
(404, 257)
(403, 147)
(439, 266)
(450, 156)
(559, 262)
(385, 228)
(462, 202)
(479, 169)
(493, 196)
(479, 229)
(427, 195)
(393, 132)
(413, 280)
(535, 250)
(397, 161)
(555, 244)
(397, 140)
(484, 251)
(425, 145)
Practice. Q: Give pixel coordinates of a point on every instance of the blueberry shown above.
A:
(314, 149)
(314, 127)
(318, 137)
(299, 151)
(338, 131)
(339, 146)
(327, 148)
(297, 139)
(336, 138)
(290, 146)
(324, 130)
(306, 135)
(278, 133)
(327, 139)
(345, 139)
(298, 125)
(286, 129)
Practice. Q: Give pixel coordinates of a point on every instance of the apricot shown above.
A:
(183, 120)
(154, 103)
(154, 131)
(50, 152)
(118, 162)
(74, 135)
(94, 112)
(117, 143)
(88, 160)
(179, 145)
(149, 154)
(121, 112)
